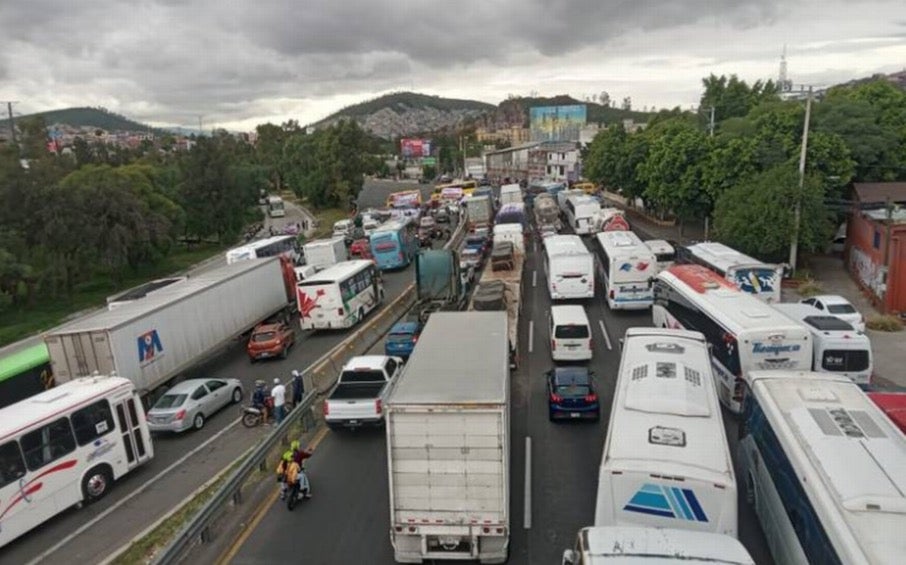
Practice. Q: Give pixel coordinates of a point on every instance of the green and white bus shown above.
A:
(24, 373)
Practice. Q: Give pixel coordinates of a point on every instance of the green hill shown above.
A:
(407, 101)
(90, 117)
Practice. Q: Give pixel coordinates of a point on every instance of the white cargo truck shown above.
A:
(323, 253)
(151, 340)
(448, 442)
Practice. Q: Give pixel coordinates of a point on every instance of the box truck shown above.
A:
(151, 340)
(323, 253)
(448, 442)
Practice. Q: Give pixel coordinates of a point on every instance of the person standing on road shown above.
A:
(278, 393)
(298, 388)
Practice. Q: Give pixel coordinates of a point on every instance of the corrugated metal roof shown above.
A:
(880, 191)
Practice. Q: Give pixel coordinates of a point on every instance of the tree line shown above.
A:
(745, 176)
(105, 211)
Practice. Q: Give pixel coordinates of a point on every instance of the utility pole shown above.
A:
(797, 211)
(200, 129)
(710, 134)
(711, 125)
(12, 126)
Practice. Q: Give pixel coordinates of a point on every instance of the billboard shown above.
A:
(557, 123)
(414, 148)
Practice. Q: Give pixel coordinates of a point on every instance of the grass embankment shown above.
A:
(47, 313)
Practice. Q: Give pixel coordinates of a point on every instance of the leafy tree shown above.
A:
(732, 97)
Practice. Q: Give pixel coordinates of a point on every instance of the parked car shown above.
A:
(271, 340)
(189, 403)
(837, 306)
(402, 339)
(571, 394)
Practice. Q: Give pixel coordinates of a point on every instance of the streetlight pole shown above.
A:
(797, 210)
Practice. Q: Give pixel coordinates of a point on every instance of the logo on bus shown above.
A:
(668, 502)
(775, 348)
(307, 303)
(755, 281)
(640, 266)
(149, 347)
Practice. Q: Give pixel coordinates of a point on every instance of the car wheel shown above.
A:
(285, 353)
(550, 415)
(96, 484)
(237, 395)
(252, 360)
(198, 421)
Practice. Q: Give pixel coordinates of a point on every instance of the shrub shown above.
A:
(808, 288)
(884, 323)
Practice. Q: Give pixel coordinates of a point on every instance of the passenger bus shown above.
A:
(467, 187)
(666, 461)
(825, 470)
(340, 296)
(627, 267)
(24, 373)
(275, 207)
(393, 245)
(569, 268)
(749, 274)
(581, 213)
(66, 446)
(285, 245)
(745, 333)
(405, 199)
(663, 251)
(630, 545)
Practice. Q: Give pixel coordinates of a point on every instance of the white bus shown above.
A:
(666, 461)
(582, 213)
(663, 251)
(286, 245)
(340, 296)
(825, 470)
(836, 346)
(745, 334)
(648, 546)
(569, 268)
(749, 274)
(627, 266)
(67, 445)
(275, 208)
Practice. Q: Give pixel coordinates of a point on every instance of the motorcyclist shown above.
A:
(299, 455)
(286, 461)
(260, 399)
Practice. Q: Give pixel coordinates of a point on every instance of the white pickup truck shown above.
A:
(358, 397)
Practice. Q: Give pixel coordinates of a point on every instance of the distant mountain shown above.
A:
(515, 111)
(90, 117)
(406, 113)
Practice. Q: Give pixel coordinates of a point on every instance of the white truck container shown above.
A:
(448, 442)
(512, 233)
(323, 253)
(510, 194)
(154, 339)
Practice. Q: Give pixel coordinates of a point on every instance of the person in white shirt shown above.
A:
(278, 393)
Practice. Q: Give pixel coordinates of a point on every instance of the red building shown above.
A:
(876, 243)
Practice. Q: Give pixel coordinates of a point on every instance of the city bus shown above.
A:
(340, 296)
(275, 207)
(749, 274)
(627, 266)
(666, 460)
(467, 187)
(286, 245)
(67, 446)
(631, 545)
(24, 373)
(745, 333)
(581, 213)
(824, 469)
(393, 245)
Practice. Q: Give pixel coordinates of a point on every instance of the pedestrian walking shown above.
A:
(298, 388)
(278, 393)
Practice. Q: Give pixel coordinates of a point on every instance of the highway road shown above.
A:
(348, 518)
(181, 463)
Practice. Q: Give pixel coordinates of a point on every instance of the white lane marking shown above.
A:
(606, 337)
(531, 334)
(527, 520)
(88, 525)
(534, 279)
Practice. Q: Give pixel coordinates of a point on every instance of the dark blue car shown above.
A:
(571, 394)
(402, 339)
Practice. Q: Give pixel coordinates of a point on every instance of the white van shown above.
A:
(837, 347)
(570, 334)
(512, 233)
(569, 267)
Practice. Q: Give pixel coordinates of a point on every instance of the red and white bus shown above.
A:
(67, 445)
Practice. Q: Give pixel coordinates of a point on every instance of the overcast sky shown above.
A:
(239, 63)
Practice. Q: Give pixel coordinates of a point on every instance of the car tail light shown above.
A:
(414, 339)
(278, 341)
(556, 398)
(591, 397)
(326, 408)
(611, 294)
(378, 406)
(553, 345)
(180, 415)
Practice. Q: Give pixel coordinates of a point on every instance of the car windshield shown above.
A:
(840, 309)
(399, 337)
(170, 401)
(571, 332)
(573, 390)
(264, 336)
(362, 376)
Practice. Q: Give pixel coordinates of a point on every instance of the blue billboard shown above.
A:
(557, 123)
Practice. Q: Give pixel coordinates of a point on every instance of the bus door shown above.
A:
(128, 416)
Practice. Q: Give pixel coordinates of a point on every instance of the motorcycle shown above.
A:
(252, 417)
(296, 493)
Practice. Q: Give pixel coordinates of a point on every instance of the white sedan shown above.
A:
(837, 306)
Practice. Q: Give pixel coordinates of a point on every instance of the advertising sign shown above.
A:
(412, 148)
(557, 123)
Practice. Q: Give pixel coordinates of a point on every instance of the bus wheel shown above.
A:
(361, 314)
(96, 483)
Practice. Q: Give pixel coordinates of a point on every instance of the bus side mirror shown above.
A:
(569, 557)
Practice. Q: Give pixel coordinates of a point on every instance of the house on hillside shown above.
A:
(876, 243)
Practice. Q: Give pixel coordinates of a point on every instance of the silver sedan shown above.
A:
(187, 404)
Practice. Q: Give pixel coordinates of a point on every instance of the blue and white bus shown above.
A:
(824, 469)
(749, 274)
(393, 245)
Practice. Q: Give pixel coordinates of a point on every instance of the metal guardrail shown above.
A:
(322, 374)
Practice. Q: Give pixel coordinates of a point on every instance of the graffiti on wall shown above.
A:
(869, 273)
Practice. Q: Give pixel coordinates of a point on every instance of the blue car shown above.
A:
(402, 339)
(571, 394)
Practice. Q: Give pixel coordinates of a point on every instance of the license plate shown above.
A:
(574, 415)
(265, 355)
(353, 422)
